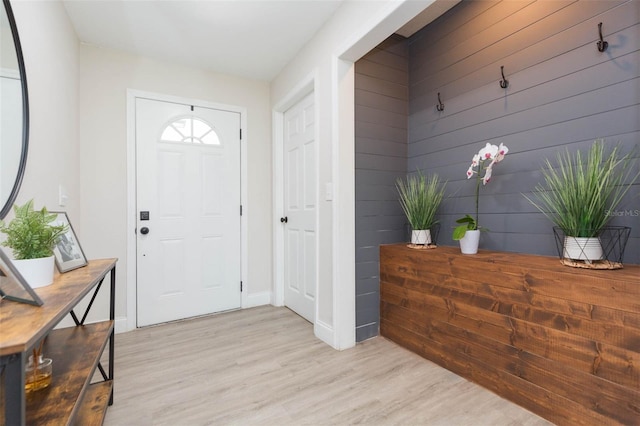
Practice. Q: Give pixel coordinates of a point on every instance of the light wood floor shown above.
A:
(264, 366)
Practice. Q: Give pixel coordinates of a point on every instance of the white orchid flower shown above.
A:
(488, 152)
(470, 172)
(487, 173)
(502, 151)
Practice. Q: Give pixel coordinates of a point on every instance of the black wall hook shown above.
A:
(602, 45)
(504, 83)
(440, 106)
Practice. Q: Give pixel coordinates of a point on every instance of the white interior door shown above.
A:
(188, 202)
(300, 199)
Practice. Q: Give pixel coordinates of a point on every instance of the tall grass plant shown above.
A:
(580, 191)
(420, 198)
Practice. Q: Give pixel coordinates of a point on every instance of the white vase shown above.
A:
(469, 243)
(583, 248)
(37, 272)
(421, 237)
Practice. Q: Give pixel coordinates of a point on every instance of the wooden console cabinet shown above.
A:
(73, 397)
(562, 342)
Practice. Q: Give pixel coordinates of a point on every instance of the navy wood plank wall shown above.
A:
(563, 93)
(381, 97)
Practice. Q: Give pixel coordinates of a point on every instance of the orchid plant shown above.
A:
(483, 161)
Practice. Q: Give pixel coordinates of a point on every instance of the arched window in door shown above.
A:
(190, 130)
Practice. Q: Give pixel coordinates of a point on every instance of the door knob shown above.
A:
(144, 230)
(284, 219)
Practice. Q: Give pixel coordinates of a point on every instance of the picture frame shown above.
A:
(13, 286)
(67, 251)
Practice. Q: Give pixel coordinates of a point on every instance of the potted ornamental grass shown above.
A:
(32, 237)
(420, 198)
(468, 230)
(579, 193)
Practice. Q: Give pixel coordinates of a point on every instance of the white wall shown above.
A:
(79, 139)
(50, 50)
(356, 28)
(105, 76)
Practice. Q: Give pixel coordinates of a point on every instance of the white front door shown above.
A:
(300, 199)
(188, 202)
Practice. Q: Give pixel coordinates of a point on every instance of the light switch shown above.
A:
(328, 191)
(62, 196)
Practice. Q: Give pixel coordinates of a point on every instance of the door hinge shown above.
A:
(240, 209)
(240, 134)
(241, 286)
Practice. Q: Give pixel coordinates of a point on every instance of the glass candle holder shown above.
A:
(38, 376)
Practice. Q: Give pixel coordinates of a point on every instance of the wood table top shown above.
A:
(22, 325)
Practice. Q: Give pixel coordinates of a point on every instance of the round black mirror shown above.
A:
(14, 111)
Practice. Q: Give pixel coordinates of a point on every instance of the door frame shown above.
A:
(304, 88)
(131, 268)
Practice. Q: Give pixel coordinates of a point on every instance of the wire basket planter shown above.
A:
(434, 231)
(604, 251)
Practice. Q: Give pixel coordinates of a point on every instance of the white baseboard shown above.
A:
(121, 325)
(257, 299)
(325, 332)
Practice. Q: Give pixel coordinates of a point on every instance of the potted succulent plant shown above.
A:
(31, 237)
(468, 230)
(580, 192)
(420, 198)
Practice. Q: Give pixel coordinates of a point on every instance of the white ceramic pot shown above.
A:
(421, 237)
(469, 243)
(37, 272)
(583, 248)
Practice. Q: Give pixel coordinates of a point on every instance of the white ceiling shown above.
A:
(249, 38)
